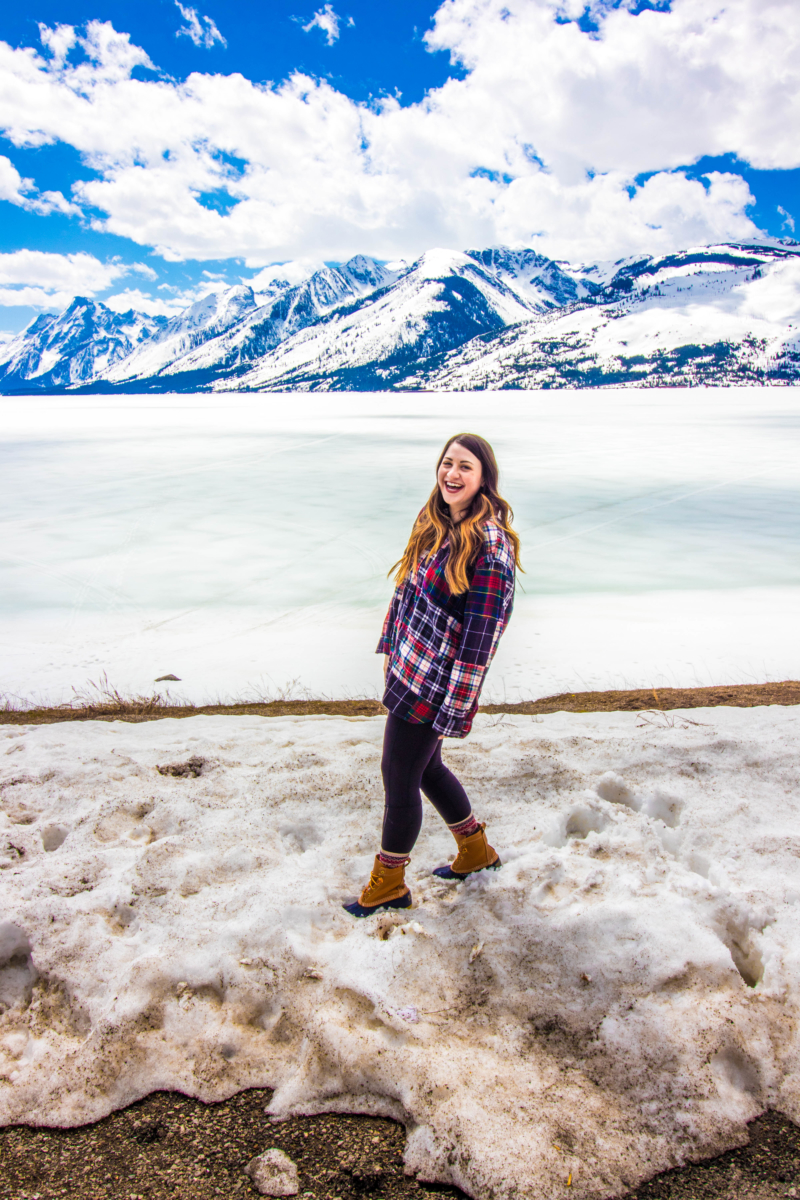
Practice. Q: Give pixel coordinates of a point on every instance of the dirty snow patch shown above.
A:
(621, 997)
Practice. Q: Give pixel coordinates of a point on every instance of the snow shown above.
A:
(362, 314)
(378, 328)
(674, 302)
(287, 313)
(76, 346)
(203, 320)
(621, 997)
(434, 264)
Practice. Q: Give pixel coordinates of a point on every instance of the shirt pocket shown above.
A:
(451, 638)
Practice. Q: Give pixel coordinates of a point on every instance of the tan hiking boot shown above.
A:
(386, 889)
(474, 854)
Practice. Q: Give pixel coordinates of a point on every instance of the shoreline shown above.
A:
(114, 707)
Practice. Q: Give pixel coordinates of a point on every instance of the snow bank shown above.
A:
(620, 998)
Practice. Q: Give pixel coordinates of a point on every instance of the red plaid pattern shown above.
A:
(440, 646)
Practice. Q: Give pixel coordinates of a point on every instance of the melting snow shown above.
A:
(619, 998)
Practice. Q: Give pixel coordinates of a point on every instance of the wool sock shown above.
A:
(393, 860)
(465, 828)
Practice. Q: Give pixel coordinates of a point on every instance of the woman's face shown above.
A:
(459, 477)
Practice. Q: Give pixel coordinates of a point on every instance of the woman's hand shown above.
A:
(385, 666)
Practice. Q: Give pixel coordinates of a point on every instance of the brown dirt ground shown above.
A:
(168, 1147)
(153, 708)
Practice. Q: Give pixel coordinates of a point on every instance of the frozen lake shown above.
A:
(242, 542)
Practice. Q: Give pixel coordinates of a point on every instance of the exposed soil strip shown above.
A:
(168, 1147)
(154, 708)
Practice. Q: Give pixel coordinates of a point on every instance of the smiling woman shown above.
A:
(452, 603)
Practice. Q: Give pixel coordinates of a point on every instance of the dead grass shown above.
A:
(102, 702)
(745, 695)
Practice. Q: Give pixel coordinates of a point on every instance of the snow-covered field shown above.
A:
(242, 542)
(622, 996)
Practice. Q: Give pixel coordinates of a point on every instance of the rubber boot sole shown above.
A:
(361, 910)
(447, 873)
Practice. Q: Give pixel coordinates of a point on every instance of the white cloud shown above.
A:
(154, 306)
(539, 144)
(170, 303)
(40, 279)
(34, 297)
(202, 31)
(327, 21)
(77, 271)
(25, 194)
(788, 222)
(289, 272)
(58, 41)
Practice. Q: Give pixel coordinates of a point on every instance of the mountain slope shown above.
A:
(259, 328)
(203, 321)
(82, 343)
(715, 315)
(541, 282)
(494, 318)
(444, 300)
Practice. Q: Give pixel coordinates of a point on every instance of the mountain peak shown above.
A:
(498, 317)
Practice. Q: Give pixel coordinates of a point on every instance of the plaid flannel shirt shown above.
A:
(440, 645)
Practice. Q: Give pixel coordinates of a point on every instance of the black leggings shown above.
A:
(412, 758)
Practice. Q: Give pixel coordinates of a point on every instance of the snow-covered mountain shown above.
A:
(204, 320)
(495, 318)
(544, 283)
(257, 330)
(720, 315)
(442, 301)
(81, 344)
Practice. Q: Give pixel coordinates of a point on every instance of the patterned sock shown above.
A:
(465, 828)
(393, 860)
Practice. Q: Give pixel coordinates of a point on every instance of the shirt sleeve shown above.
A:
(385, 643)
(485, 618)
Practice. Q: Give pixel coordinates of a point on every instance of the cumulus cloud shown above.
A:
(201, 30)
(40, 279)
(327, 21)
(566, 140)
(25, 194)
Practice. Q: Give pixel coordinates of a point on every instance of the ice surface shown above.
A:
(243, 542)
(621, 997)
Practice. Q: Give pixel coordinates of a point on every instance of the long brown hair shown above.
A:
(435, 525)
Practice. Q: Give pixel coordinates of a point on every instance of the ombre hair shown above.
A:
(435, 525)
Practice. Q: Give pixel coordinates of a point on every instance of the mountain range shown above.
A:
(452, 320)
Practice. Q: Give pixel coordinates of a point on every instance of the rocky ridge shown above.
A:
(495, 318)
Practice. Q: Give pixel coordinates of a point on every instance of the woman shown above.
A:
(454, 594)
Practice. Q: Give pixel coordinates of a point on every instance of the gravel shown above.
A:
(170, 1146)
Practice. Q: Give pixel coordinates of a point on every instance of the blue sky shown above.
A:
(381, 52)
(158, 149)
